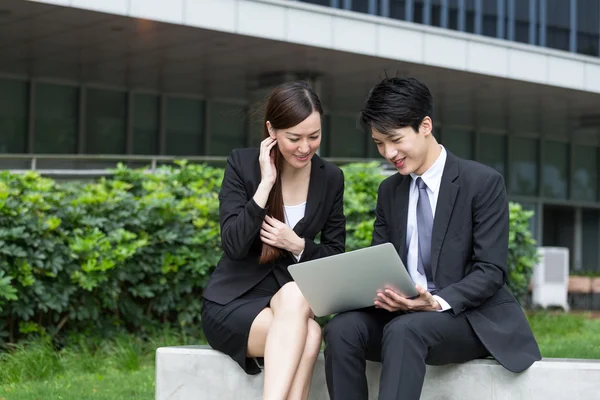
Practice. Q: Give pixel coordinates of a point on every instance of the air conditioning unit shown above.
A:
(550, 280)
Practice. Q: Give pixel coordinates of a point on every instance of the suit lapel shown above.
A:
(316, 191)
(401, 214)
(443, 211)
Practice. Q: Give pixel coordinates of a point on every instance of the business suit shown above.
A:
(238, 278)
(469, 250)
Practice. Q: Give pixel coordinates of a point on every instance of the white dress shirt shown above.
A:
(293, 214)
(432, 178)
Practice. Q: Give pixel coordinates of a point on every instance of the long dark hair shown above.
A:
(288, 105)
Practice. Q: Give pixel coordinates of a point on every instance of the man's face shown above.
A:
(405, 148)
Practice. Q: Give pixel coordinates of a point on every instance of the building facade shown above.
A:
(516, 85)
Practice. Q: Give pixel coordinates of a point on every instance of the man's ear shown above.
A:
(426, 127)
(270, 130)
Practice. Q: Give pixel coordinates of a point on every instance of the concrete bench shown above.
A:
(198, 372)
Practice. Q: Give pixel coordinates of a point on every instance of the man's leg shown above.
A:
(414, 339)
(351, 338)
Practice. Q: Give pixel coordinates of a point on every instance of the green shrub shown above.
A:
(133, 252)
(130, 252)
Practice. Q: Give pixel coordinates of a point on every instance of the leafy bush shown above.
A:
(133, 252)
(128, 252)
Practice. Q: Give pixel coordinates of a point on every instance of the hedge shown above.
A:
(133, 251)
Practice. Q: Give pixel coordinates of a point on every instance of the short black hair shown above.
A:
(396, 103)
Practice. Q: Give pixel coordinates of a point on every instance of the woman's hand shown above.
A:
(268, 172)
(277, 234)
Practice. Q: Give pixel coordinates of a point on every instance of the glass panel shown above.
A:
(106, 121)
(453, 12)
(589, 240)
(184, 127)
(146, 125)
(347, 140)
(557, 24)
(559, 228)
(490, 17)
(470, 17)
(522, 20)
(585, 173)
(360, 6)
(523, 153)
(492, 151)
(418, 11)
(555, 170)
(458, 141)
(588, 27)
(56, 119)
(318, 2)
(436, 12)
(226, 128)
(14, 96)
(398, 9)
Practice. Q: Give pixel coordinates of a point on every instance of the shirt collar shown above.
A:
(433, 176)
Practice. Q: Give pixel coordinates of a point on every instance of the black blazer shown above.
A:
(238, 269)
(469, 253)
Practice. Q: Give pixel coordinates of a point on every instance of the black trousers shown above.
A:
(403, 342)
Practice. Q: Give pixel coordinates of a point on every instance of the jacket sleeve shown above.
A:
(490, 249)
(240, 218)
(380, 229)
(333, 234)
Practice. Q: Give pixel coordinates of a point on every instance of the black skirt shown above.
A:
(227, 327)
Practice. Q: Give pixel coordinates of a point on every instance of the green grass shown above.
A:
(122, 367)
(113, 384)
(561, 335)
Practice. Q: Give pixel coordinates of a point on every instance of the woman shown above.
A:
(273, 202)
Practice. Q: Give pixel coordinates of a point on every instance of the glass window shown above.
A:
(558, 24)
(523, 176)
(14, 97)
(492, 151)
(347, 140)
(490, 18)
(360, 6)
(522, 20)
(453, 14)
(585, 173)
(555, 170)
(398, 9)
(589, 240)
(436, 12)
(318, 2)
(419, 9)
(588, 27)
(56, 122)
(146, 124)
(458, 141)
(184, 127)
(226, 127)
(106, 121)
(470, 17)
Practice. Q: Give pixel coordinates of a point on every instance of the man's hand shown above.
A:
(275, 233)
(392, 301)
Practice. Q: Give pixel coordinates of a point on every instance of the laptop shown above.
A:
(350, 280)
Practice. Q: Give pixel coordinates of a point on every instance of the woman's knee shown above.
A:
(314, 335)
(290, 299)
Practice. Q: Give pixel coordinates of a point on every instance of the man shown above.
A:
(448, 219)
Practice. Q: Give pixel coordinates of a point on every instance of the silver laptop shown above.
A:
(350, 281)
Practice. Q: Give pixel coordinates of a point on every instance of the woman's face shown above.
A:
(299, 143)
